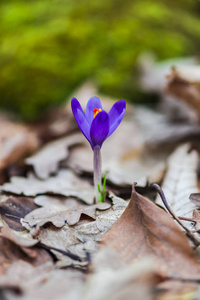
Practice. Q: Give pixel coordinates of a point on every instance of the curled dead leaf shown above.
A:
(12, 209)
(145, 229)
(15, 247)
(184, 83)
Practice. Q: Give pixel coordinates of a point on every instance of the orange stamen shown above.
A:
(96, 111)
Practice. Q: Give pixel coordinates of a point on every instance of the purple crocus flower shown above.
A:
(96, 124)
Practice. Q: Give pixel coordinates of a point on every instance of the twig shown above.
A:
(183, 279)
(163, 198)
(187, 219)
(67, 253)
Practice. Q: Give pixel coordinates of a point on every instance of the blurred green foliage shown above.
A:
(49, 47)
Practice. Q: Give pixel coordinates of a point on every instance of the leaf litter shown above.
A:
(64, 183)
(55, 243)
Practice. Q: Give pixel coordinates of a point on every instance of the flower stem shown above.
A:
(97, 173)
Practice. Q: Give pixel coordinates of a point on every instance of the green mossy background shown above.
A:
(49, 47)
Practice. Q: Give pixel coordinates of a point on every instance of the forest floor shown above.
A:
(141, 243)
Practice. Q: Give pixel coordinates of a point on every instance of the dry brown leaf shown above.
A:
(180, 181)
(16, 141)
(16, 238)
(144, 229)
(46, 161)
(15, 247)
(57, 203)
(12, 209)
(161, 135)
(68, 239)
(184, 83)
(154, 80)
(153, 73)
(81, 237)
(64, 183)
(71, 216)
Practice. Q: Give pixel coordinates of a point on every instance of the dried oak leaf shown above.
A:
(180, 181)
(12, 209)
(80, 237)
(71, 216)
(145, 229)
(46, 161)
(64, 183)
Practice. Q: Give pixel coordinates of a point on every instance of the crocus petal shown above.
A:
(99, 128)
(116, 115)
(93, 103)
(80, 119)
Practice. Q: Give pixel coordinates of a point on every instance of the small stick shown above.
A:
(163, 198)
(187, 219)
(183, 279)
(67, 253)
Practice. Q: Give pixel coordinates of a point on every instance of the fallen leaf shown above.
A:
(184, 83)
(46, 161)
(64, 183)
(154, 79)
(15, 247)
(18, 239)
(79, 238)
(12, 209)
(161, 135)
(180, 181)
(16, 141)
(67, 239)
(153, 73)
(144, 229)
(71, 216)
(57, 203)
